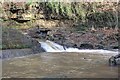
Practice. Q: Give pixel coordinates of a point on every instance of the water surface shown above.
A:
(60, 65)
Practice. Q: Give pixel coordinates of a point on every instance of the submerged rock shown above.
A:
(114, 60)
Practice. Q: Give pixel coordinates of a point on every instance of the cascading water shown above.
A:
(50, 46)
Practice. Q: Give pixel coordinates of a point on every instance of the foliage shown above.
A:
(90, 14)
(65, 10)
(97, 14)
(12, 39)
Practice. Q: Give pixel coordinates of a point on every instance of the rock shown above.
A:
(32, 33)
(21, 20)
(71, 45)
(14, 10)
(114, 47)
(86, 46)
(37, 47)
(41, 33)
(114, 60)
(99, 46)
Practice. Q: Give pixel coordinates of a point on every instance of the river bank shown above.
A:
(92, 39)
(85, 26)
(106, 39)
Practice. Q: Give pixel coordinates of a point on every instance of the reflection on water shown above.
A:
(60, 65)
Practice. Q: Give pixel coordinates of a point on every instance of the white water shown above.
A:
(50, 46)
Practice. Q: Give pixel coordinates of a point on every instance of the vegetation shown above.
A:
(12, 39)
(93, 14)
(83, 15)
(97, 14)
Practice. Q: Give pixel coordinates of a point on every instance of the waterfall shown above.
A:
(50, 46)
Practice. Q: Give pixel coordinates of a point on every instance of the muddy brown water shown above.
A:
(59, 65)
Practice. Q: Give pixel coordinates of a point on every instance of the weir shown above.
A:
(50, 46)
